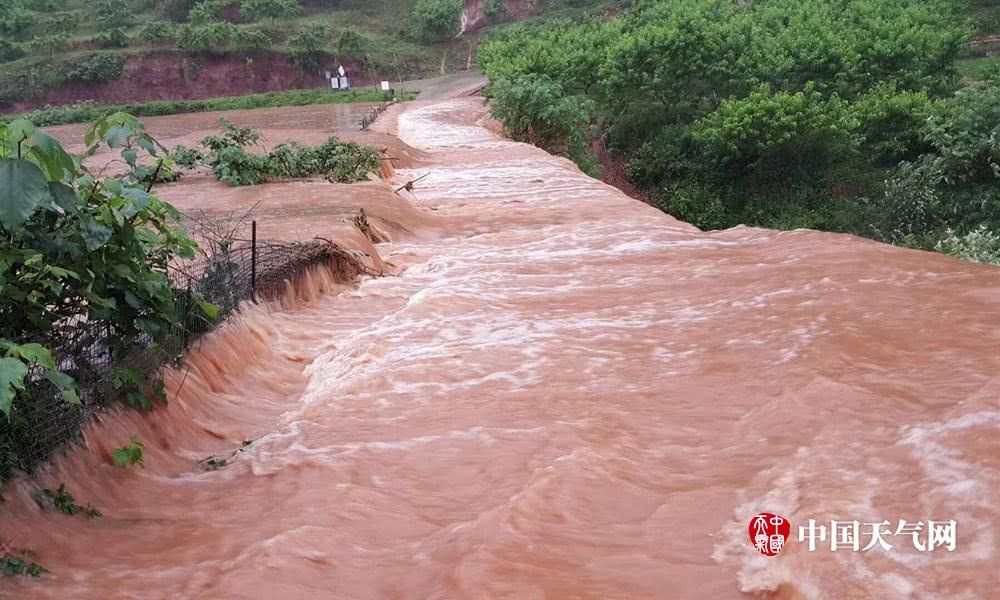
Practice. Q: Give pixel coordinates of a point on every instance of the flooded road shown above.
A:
(560, 393)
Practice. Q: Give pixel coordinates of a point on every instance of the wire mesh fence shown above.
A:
(373, 114)
(42, 422)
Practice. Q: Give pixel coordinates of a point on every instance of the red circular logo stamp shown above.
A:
(768, 533)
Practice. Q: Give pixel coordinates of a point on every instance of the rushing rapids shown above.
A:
(560, 393)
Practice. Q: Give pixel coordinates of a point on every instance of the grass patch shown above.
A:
(87, 111)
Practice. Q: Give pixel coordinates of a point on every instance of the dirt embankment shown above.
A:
(166, 75)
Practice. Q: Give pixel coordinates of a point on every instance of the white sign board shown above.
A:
(335, 83)
(385, 86)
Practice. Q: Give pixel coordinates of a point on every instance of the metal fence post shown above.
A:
(253, 258)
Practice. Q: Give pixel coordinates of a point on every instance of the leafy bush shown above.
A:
(909, 203)
(10, 51)
(252, 38)
(437, 20)
(893, 123)
(792, 135)
(97, 68)
(156, 31)
(208, 11)
(351, 43)
(177, 11)
(235, 166)
(49, 44)
(307, 48)
(15, 18)
(979, 245)
(695, 204)
(965, 132)
(258, 10)
(63, 22)
(537, 110)
(213, 36)
(343, 162)
(113, 14)
(79, 246)
(111, 38)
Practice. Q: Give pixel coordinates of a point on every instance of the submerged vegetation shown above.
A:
(20, 562)
(849, 117)
(64, 502)
(227, 155)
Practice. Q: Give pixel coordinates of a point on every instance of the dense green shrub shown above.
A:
(156, 31)
(10, 50)
(893, 123)
(16, 19)
(177, 11)
(49, 44)
(63, 22)
(208, 11)
(226, 154)
(115, 37)
(307, 48)
(113, 14)
(211, 36)
(96, 68)
(79, 246)
(795, 135)
(965, 132)
(235, 166)
(251, 38)
(784, 113)
(695, 204)
(979, 245)
(437, 20)
(351, 43)
(259, 10)
(538, 111)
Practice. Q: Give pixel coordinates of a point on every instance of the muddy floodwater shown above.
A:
(555, 392)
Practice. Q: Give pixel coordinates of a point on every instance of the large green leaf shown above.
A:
(66, 385)
(12, 372)
(65, 197)
(35, 354)
(95, 234)
(50, 154)
(22, 190)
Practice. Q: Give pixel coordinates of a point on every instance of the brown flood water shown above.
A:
(561, 393)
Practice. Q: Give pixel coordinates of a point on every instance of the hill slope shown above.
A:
(116, 51)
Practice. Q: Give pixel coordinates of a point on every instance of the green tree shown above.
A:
(308, 47)
(437, 20)
(16, 19)
(351, 43)
(113, 14)
(49, 44)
